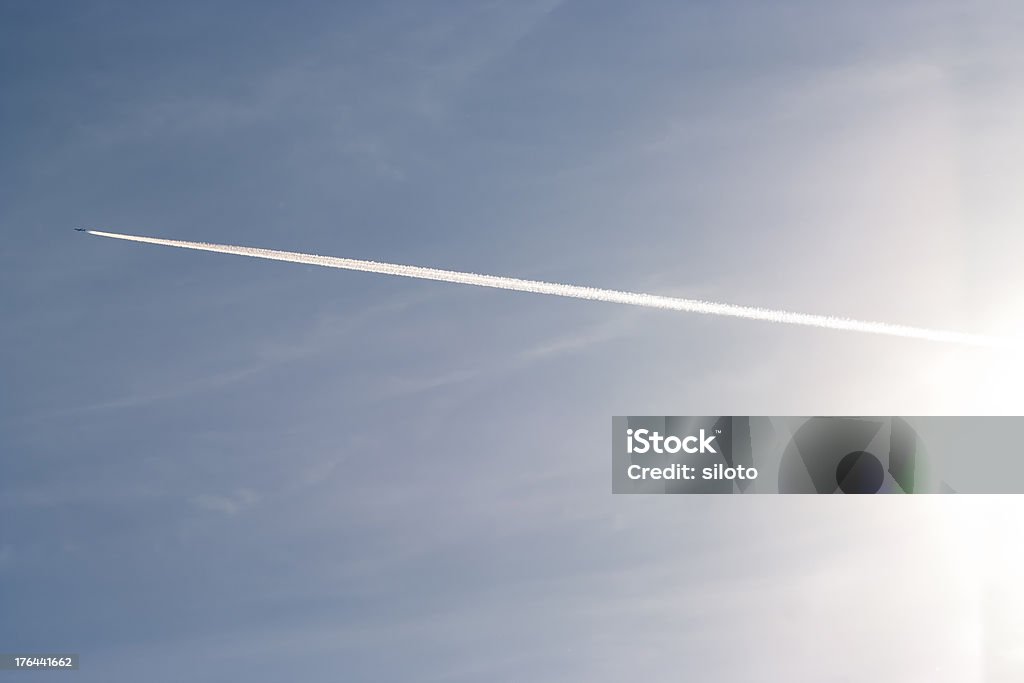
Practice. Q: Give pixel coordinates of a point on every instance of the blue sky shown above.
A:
(218, 468)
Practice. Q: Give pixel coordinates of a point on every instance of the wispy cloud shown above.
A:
(322, 335)
(228, 504)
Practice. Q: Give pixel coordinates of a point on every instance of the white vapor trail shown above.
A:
(577, 292)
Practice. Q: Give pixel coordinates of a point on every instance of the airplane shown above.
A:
(80, 229)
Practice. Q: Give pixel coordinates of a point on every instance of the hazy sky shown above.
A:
(215, 468)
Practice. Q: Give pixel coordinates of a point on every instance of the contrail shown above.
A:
(578, 292)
